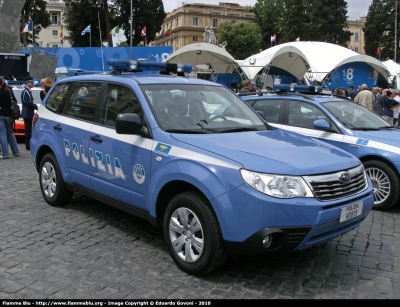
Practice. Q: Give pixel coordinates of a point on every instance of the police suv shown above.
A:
(190, 156)
(342, 123)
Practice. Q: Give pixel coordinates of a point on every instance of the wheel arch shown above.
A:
(381, 159)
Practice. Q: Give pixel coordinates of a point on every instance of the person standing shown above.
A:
(47, 84)
(352, 92)
(388, 104)
(6, 132)
(28, 110)
(396, 108)
(365, 97)
(248, 87)
(377, 106)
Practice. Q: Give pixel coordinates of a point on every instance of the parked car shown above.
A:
(19, 127)
(345, 124)
(190, 156)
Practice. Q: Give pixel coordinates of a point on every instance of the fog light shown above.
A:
(267, 241)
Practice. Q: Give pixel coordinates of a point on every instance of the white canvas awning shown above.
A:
(204, 54)
(319, 57)
(392, 66)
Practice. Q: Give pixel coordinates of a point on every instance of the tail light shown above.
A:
(35, 120)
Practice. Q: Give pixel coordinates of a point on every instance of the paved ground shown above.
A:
(88, 250)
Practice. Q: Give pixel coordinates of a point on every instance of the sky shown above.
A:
(356, 8)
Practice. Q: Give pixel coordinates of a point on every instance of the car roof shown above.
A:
(319, 97)
(140, 78)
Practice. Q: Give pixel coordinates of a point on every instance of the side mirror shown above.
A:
(128, 123)
(322, 124)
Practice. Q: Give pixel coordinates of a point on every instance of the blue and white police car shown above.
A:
(190, 156)
(345, 124)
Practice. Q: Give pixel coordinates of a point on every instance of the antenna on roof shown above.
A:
(101, 43)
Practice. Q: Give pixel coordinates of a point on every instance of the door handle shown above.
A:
(57, 127)
(355, 146)
(96, 139)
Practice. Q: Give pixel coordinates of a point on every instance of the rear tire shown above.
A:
(385, 182)
(52, 185)
(193, 235)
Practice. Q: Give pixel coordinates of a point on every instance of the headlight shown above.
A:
(279, 186)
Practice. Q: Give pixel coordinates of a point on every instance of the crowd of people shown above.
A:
(7, 137)
(385, 102)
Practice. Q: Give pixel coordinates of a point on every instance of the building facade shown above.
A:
(357, 41)
(55, 33)
(187, 24)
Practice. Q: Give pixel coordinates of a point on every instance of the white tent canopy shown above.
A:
(392, 67)
(299, 57)
(204, 54)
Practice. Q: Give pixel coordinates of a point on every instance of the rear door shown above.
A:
(271, 109)
(119, 164)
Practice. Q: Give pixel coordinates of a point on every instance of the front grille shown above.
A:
(328, 186)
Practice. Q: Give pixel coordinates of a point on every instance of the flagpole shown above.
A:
(90, 36)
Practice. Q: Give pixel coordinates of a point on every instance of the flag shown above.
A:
(168, 32)
(162, 34)
(114, 31)
(28, 27)
(273, 38)
(87, 30)
(297, 39)
(143, 32)
(61, 31)
(351, 47)
(378, 51)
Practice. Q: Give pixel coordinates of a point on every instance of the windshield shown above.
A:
(200, 109)
(355, 116)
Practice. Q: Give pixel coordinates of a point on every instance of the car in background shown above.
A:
(19, 126)
(345, 124)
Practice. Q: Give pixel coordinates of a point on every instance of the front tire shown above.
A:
(193, 235)
(52, 185)
(385, 182)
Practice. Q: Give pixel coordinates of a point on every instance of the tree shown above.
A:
(311, 20)
(149, 14)
(268, 13)
(79, 14)
(328, 21)
(243, 39)
(34, 10)
(379, 28)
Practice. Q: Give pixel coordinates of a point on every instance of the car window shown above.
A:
(270, 109)
(200, 108)
(82, 101)
(355, 116)
(57, 96)
(302, 114)
(118, 99)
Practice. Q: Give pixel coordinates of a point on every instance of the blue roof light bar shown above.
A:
(142, 66)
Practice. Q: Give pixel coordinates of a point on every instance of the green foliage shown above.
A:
(34, 10)
(244, 39)
(148, 13)
(379, 29)
(311, 20)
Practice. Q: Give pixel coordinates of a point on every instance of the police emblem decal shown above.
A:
(138, 173)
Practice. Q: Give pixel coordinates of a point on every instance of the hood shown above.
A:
(274, 151)
(389, 137)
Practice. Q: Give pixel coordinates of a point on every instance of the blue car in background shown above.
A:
(345, 124)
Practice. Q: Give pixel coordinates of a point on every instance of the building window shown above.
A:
(176, 22)
(54, 19)
(55, 46)
(356, 36)
(195, 38)
(195, 21)
(215, 23)
(55, 32)
(233, 21)
(177, 39)
(356, 49)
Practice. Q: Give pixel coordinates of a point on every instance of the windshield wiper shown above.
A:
(239, 129)
(387, 128)
(183, 131)
(365, 128)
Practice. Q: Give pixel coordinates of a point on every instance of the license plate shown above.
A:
(350, 212)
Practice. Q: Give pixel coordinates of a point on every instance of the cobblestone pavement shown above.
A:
(88, 250)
